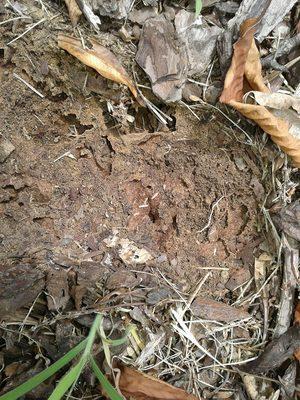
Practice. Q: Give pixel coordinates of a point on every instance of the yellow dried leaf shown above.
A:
(99, 58)
(74, 11)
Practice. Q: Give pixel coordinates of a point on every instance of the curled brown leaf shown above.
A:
(246, 71)
(234, 81)
(99, 58)
(139, 386)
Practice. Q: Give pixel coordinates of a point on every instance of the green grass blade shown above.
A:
(42, 376)
(108, 388)
(198, 7)
(67, 381)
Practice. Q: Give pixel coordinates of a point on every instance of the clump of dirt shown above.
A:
(188, 196)
(96, 206)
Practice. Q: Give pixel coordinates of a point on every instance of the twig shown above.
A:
(285, 48)
(13, 19)
(28, 85)
(27, 30)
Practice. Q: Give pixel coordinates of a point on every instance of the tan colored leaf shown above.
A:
(279, 101)
(99, 58)
(245, 71)
(234, 81)
(74, 11)
(276, 127)
(139, 386)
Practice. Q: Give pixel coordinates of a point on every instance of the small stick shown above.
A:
(28, 85)
(13, 19)
(27, 30)
(211, 214)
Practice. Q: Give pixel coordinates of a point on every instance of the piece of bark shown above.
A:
(286, 46)
(289, 285)
(276, 352)
(123, 278)
(6, 148)
(270, 12)
(140, 16)
(214, 310)
(112, 8)
(163, 57)
(57, 287)
(289, 220)
(19, 286)
(288, 381)
(199, 38)
(87, 11)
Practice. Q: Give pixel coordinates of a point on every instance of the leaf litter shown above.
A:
(200, 315)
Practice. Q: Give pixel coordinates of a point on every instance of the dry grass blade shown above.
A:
(99, 58)
(74, 11)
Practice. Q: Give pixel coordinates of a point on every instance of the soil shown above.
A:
(84, 197)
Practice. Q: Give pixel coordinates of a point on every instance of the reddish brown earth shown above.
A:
(154, 188)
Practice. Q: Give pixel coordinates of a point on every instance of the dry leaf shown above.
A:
(99, 58)
(245, 71)
(279, 101)
(234, 81)
(139, 386)
(74, 11)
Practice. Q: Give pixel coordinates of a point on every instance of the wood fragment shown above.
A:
(74, 11)
(289, 285)
(276, 352)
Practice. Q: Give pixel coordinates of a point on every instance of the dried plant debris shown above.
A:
(74, 11)
(269, 14)
(199, 38)
(117, 9)
(245, 69)
(140, 386)
(99, 58)
(276, 353)
(217, 311)
(19, 286)
(289, 285)
(169, 55)
(289, 220)
(163, 57)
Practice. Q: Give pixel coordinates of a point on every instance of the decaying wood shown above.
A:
(285, 47)
(270, 12)
(288, 288)
(276, 352)
(87, 11)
